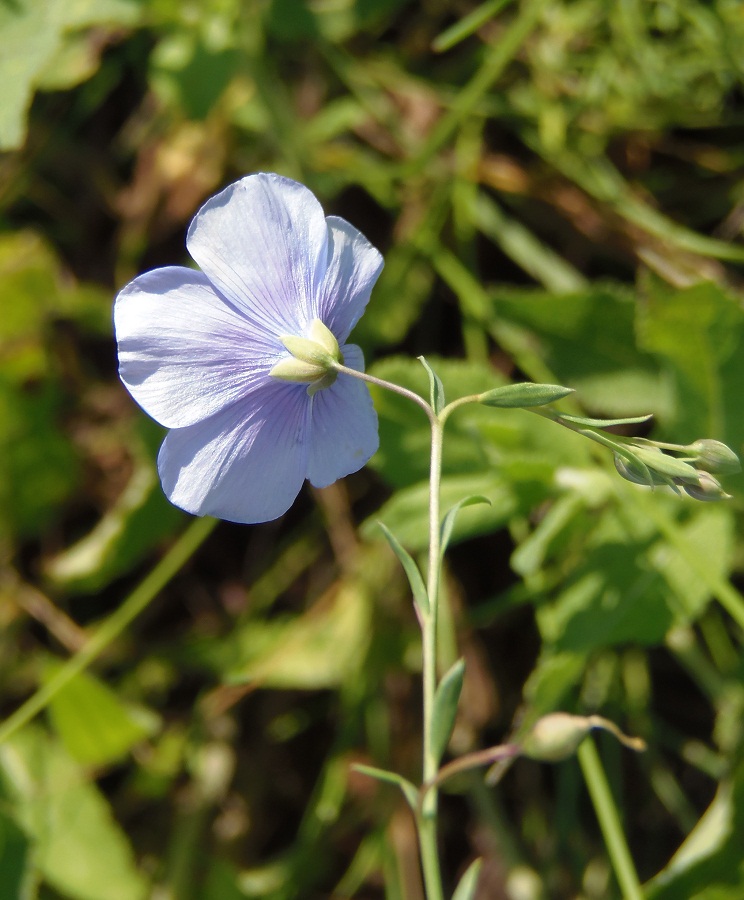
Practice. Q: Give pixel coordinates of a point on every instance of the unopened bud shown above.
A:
(555, 737)
(632, 470)
(705, 488)
(714, 456)
(558, 735)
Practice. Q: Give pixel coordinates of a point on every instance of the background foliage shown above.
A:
(557, 188)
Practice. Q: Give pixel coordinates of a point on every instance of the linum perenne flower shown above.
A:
(234, 358)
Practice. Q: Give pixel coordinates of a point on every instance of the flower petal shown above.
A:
(263, 243)
(184, 352)
(246, 463)
(343, 432)
(353, 267)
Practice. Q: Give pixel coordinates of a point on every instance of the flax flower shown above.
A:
(224, 357)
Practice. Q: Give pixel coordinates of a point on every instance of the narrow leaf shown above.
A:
(436, 388)
(448, 522)
(604, 423)
(524, 394)
(409, 789)
(420, 595)
(445, 707)
(465, 889)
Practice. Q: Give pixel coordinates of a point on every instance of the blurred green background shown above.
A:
(557, 187)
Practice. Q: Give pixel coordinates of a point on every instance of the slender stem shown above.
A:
(113, 626)
(428, 815)
(389, 386)
(609, 821)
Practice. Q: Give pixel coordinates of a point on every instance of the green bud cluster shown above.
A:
(690, 468)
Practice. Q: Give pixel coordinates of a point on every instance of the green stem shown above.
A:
(428, 814)
(112, 627)
(609, 821)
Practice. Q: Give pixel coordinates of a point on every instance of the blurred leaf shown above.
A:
(321, 649)
(14, 858)
(38, 465)
(407, 512)
(139, 519)
(585, 339)
(94, 725)
(77, 847)
(709, 863)
(468, 884)
(32, 34)
(697, 332)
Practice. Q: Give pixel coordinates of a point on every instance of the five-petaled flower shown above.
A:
(217, 355)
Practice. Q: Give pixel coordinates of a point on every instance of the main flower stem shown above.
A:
(428, 815)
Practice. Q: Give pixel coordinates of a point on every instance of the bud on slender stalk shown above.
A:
(713, 456)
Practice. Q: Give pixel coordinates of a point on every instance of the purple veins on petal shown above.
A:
(344, 426)
(246, 463)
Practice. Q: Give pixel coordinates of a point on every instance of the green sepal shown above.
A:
(604, 423)
(436, 388)
(666, 465)
(409, 789)
(448, 522)
(445, 708)
(467, 885)
(524, 394)
(420, 595)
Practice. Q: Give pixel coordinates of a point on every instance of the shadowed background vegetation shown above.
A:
(557, 187)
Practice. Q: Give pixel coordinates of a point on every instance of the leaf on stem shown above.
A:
(436, 388)
(524, 394)
(448, 522)
(465, 889)
(420, 595)
(409, 790)
(445, 708)
(603, 423)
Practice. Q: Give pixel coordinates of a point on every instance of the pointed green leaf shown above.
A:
(604, 423)
(409, 789)
(445, 707)
(524, 394)
(436, 388)
(420, 595)
(465, 889)
(448, 522)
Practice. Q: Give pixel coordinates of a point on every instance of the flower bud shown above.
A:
(555, 737)
(631, 470)
(558, 735)
(714, 456)
(706, 488)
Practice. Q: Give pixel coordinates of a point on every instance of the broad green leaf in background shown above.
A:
(697, 332)
(64, 815)
(95, 725)
(140, 518)
(320, 649)
(584, 340)
(32, 34)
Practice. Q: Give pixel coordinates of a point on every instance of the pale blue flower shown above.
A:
(197, 348)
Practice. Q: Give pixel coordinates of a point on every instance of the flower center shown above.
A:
(313, 359)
